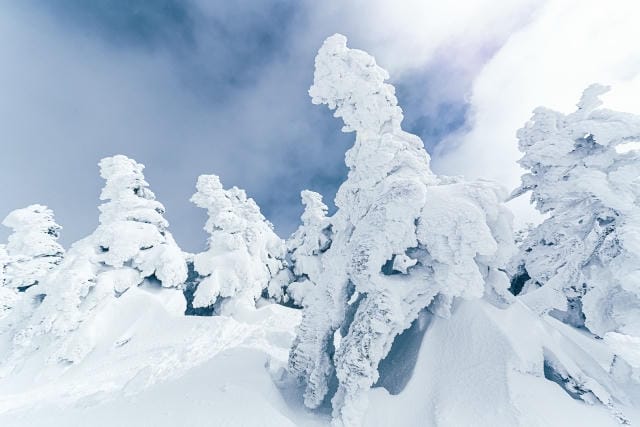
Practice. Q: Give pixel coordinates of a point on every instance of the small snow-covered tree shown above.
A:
(402, 239)
(312, 238)
(32, 250)
(243, 252)
(583, 261)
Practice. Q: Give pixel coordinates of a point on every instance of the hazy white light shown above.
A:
(628, 146)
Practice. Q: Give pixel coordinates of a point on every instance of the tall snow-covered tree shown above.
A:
(32, 250)
(402, 240)
(243, 252)
(130, 247)
(583, 261)
(132, 235)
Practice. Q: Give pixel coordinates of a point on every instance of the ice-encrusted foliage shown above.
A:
(243, 252)
(130, 247)
(584, 172)
(8, 296)
(312, 238)
(402, 239)
(132, 235)
(32, 250)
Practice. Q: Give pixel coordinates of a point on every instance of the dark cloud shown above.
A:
(188, 87)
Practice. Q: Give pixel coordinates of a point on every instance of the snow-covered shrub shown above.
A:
(402, 239)
(583, 261)
(130, 247)
(32, 250)
(243, 252)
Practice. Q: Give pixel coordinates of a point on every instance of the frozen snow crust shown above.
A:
(395, 310)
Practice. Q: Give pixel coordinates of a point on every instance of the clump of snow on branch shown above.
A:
(583, 261)
(402, 239)
(243, 252)
(32, 250)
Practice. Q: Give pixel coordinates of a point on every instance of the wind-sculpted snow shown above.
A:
(130, 247)
(402, 239)
(586, 254)
(490, 366)
(243, 251)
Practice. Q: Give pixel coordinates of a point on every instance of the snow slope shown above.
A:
(157, 367)
(481, 368)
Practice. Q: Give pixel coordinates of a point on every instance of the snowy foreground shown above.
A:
(157, 368)
(414, 304)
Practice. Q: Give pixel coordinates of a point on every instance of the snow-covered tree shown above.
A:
(243, 252)
(583, 261)
(312, 238)
(402, 239)
(32, 250)
(132, 235)
(131, 247)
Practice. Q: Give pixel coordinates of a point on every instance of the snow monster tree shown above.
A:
(583, 261)
(402, 240)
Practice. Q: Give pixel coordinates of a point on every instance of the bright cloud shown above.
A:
(567, 46)
(219, 87)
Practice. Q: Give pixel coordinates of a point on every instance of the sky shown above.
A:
(188, 87)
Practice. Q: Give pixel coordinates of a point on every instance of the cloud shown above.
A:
(226, 99)
(192, 87)
(567, 46)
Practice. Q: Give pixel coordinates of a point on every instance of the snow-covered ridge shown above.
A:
(410, 305)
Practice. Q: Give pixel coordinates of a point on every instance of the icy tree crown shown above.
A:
(35, 231)
(575, 157)
(347, 78)
(127, 194)
(229, 210)
(32, 249)
(315, 211)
